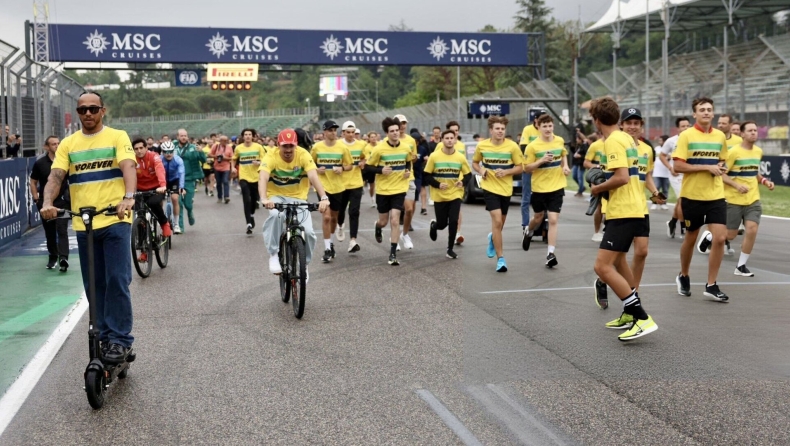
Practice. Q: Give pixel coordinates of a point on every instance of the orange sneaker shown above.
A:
(144, 257)
(166, 231)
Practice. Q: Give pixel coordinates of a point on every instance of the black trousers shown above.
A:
(447, 213)
(57, 232)
(154, 203)
(351, 199)
(250, 196)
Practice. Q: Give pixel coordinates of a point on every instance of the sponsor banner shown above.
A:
(96, 43)
(489, 108)
(776, 169)
(13, 199)
(33, 216)
(188, 78)
(232, 72)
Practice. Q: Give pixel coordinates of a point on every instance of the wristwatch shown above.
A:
(324, 198)
(128, 195)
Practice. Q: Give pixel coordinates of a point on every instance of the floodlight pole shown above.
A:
(458, 92)
(646, 111)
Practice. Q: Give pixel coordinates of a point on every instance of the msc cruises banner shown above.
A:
(97, 43)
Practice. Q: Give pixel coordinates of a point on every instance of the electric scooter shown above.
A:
(99, 374)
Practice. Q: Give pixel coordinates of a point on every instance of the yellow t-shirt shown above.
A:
(733, 141)
(529, 134)
(246, 156)
(645, 165)
(399, 159)
(412, 144)
(353, 177)
(492, 157)
(595, 152)
(369, 150)
(447, 169)
(288, 179)
(626, 201)
(743, 166)
(207, 150)
(329, 157)
(698, 148)
(547, 177)
(92, 163)
(459, 146)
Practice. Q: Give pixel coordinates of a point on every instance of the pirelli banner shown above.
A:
(99, 43)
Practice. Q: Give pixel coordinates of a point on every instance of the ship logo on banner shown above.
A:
(437, 48)
(332, 47)
(96, 43)
(218, 45)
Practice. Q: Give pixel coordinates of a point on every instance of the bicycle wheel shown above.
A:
(161, 246)
(285, 283)
(298, 276)
(141, 248)
(169, 214)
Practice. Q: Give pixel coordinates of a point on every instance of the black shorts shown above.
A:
(207, 172)
(620, 233)
(698, 213)
(369, 177)
(495, 201)
(172, 187)
(547, 201)
(386, 203)
(335, 201)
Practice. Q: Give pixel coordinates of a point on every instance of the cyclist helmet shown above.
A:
(303, 139)
(167, 146)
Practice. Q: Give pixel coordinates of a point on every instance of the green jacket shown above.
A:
(193, 161)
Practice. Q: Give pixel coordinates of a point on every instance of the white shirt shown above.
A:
(659, 170)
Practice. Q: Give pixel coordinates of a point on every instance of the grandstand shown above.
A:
(266, 122)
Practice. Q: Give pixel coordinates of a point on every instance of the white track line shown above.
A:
(647, 285)
(449, 419)
(16, 395)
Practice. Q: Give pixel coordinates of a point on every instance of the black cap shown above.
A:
(329, 125)
(630, 113)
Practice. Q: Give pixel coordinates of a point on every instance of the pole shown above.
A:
(377, 95)
(726, 77)
(458, 93)
(665, 118)
(437, 103)
(646, 110)
(152, 124)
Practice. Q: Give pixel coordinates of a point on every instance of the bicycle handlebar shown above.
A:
(110, 210)
(312, 207)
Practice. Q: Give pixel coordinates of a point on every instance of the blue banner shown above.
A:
(13, 199)
(491, 108)
(189, 78)
(143, 44)
(776, 169)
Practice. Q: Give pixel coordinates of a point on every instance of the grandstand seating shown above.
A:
(267, 125)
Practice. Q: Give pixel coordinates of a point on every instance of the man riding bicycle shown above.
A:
(151, 178)
(174, 173)
(288, 168)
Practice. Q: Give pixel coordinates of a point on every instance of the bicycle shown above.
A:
(292, 255)
(147, 238)
(169, 212)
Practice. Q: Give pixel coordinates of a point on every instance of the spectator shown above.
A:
(477, 137)
(13, 144)
(55, 230)
(222, 153)
(580, 150)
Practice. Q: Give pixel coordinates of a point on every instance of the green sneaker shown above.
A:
(639, 329)
(623, 322)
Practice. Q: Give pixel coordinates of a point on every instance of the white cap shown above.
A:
(401, 118)
(348, 125)
(357, 131)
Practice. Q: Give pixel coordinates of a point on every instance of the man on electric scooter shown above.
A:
(100, 163)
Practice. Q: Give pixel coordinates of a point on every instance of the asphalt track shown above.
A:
(433, 351)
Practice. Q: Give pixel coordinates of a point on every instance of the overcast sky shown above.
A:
(362, 15)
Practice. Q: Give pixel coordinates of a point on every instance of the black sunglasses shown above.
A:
(94, 109)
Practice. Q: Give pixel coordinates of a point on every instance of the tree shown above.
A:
(176, 106)
(134, 108)
(208, 102)
(533, 16)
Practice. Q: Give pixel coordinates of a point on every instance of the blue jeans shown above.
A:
(223, 188)
(578, 175)
(526, 194)
(662, 184)
(112, 257)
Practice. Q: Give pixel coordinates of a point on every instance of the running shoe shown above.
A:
(684, 285)
(332, 249)
(639, 329)
(653, 207)
(53, 260)
(459, 239)
(597, 237)
(601, 298)
(327, 256)
(526, 239)
(490, 251)
(143, 257)
(451, 254)
(191, 218)
(64, 264)
(377, 231)
(423, 212)
(407, 243)
(227, 200)
(393, 260)
(249, 228)
(501, 266)
(715, 293)
(621, 323)
(432, 232)
(670, 229)
(551, 260)
(341, 233)
(704, 244)
(743, 271)
(274, 264)
(176, 229)
(664, 207)
(741, 229)
(353, 246)
(728, 249)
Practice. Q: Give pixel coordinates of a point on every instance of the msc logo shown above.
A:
(126, 46)
(244, 47)
(490, 109)
(188, 78)
(460, 51)
(356, 50)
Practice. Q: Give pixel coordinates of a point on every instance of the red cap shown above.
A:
(287, 136)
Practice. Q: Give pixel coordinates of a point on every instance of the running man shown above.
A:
(496, 160)
(592, 160)
(742, 192)
(546, 160)
(461, 148)
(528, 134)
(208, 171)
(247, 158)
(174, 173)
(391, 162)
(447, 172)
(288, 168)
(409, 202)
(193, 160)
(625, 219)
(370, 177)
(352, 196)
(725, 125)
(331, 160)
(700, 155)
(676, 178)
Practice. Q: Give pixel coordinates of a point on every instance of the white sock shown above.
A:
(551, 249)
(331, 238)
(744, 258)
(709, 237)
(327, 243)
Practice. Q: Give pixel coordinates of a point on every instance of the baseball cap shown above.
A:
(401, 118)
(329, 125)
(233, 138)
(348, 125)
(287, 136)
(630, 113)
(357, 131)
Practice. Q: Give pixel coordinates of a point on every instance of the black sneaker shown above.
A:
(704, 243)
(116, 354)
(671, 229)
(327, 256)
(64, 264)
(378, 232)
(682, 231)
(601, 298)
(451, 254)
(715, 293)
(423, 212)
(684, 285)
(52, 262)
(249, 228)
(393, 260)
(432, 232)
(332, 249)
(526, 239)
(743, 271)
(551, 260)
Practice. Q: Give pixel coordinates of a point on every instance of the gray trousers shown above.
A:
(275, 224)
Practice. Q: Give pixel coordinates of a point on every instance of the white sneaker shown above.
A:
(341, 234)
(664, 207)
(176, 229)
(353, 246)
(398, 247)
(372, 204)
(407, 241)
(430, 202)
(274, 264)
(597, 237)
(653, 207)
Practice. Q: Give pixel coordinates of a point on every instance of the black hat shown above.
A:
(329, 125)
(630, 113)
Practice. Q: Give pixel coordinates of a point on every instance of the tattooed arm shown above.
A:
(56, 177)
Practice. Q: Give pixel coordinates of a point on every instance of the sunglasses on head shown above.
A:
(94, 109)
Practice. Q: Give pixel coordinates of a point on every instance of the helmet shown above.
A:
(303, 139)
(167, 146)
